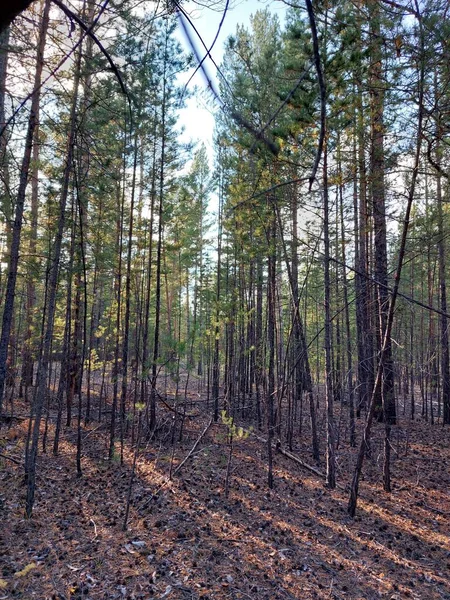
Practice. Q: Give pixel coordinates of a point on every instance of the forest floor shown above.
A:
(186, 540)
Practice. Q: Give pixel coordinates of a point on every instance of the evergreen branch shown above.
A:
(409, 10)
(237, 117)
(431, 160)
(272, 188)
(283, 104)
(88, 31)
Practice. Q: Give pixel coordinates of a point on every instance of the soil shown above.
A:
(186, 540)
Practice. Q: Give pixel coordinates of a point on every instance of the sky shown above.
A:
(197, 117)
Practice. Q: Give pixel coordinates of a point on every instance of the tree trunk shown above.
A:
(42, 373)
(126, 333)
(156, 341)
(445, 357)
(271, 316)
(331, 443)
(216, 363)
(350, 390)
(386, 412)
(390, 316)
(20, 201)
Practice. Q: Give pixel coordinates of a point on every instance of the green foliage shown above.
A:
(234, 431)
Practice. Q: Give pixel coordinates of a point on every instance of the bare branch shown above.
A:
(91, 34)
(322, 88)
(55, 70)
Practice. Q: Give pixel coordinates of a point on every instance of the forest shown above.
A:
(224, 368)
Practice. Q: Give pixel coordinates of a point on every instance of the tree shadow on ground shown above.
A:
(294, 542)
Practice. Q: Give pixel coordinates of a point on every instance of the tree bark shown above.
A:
(354, 488)
(20, 202)
(42, 373)
(331, 442)
(386, 412)
(444, 354)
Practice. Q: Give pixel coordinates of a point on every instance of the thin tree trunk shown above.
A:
(351, 394)
(378, 381)
(271, 316)
(216, 364)
(126, 333)
(301, 355)
(8, 310)
(331, 442)
(445, 357)
(118, 295)
(42, 373)
(145, 352)
(386, 412)
(156, 340)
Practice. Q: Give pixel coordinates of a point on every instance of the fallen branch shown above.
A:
(14, 460)
(92, 431)
(177, 412)
(288, 454)
(436, 510)
(8, 418)
(194, 447)
(299, 461)
(182, 463)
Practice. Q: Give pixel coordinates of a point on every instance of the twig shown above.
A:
(92, 431)
(236, 116)
(168, 480)
(91, 520)
(14, 460)
(288, 454)
(208, 52)
(55, 70)
(300, 462)
(194, 447)
(167, 405)
(88, 31)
